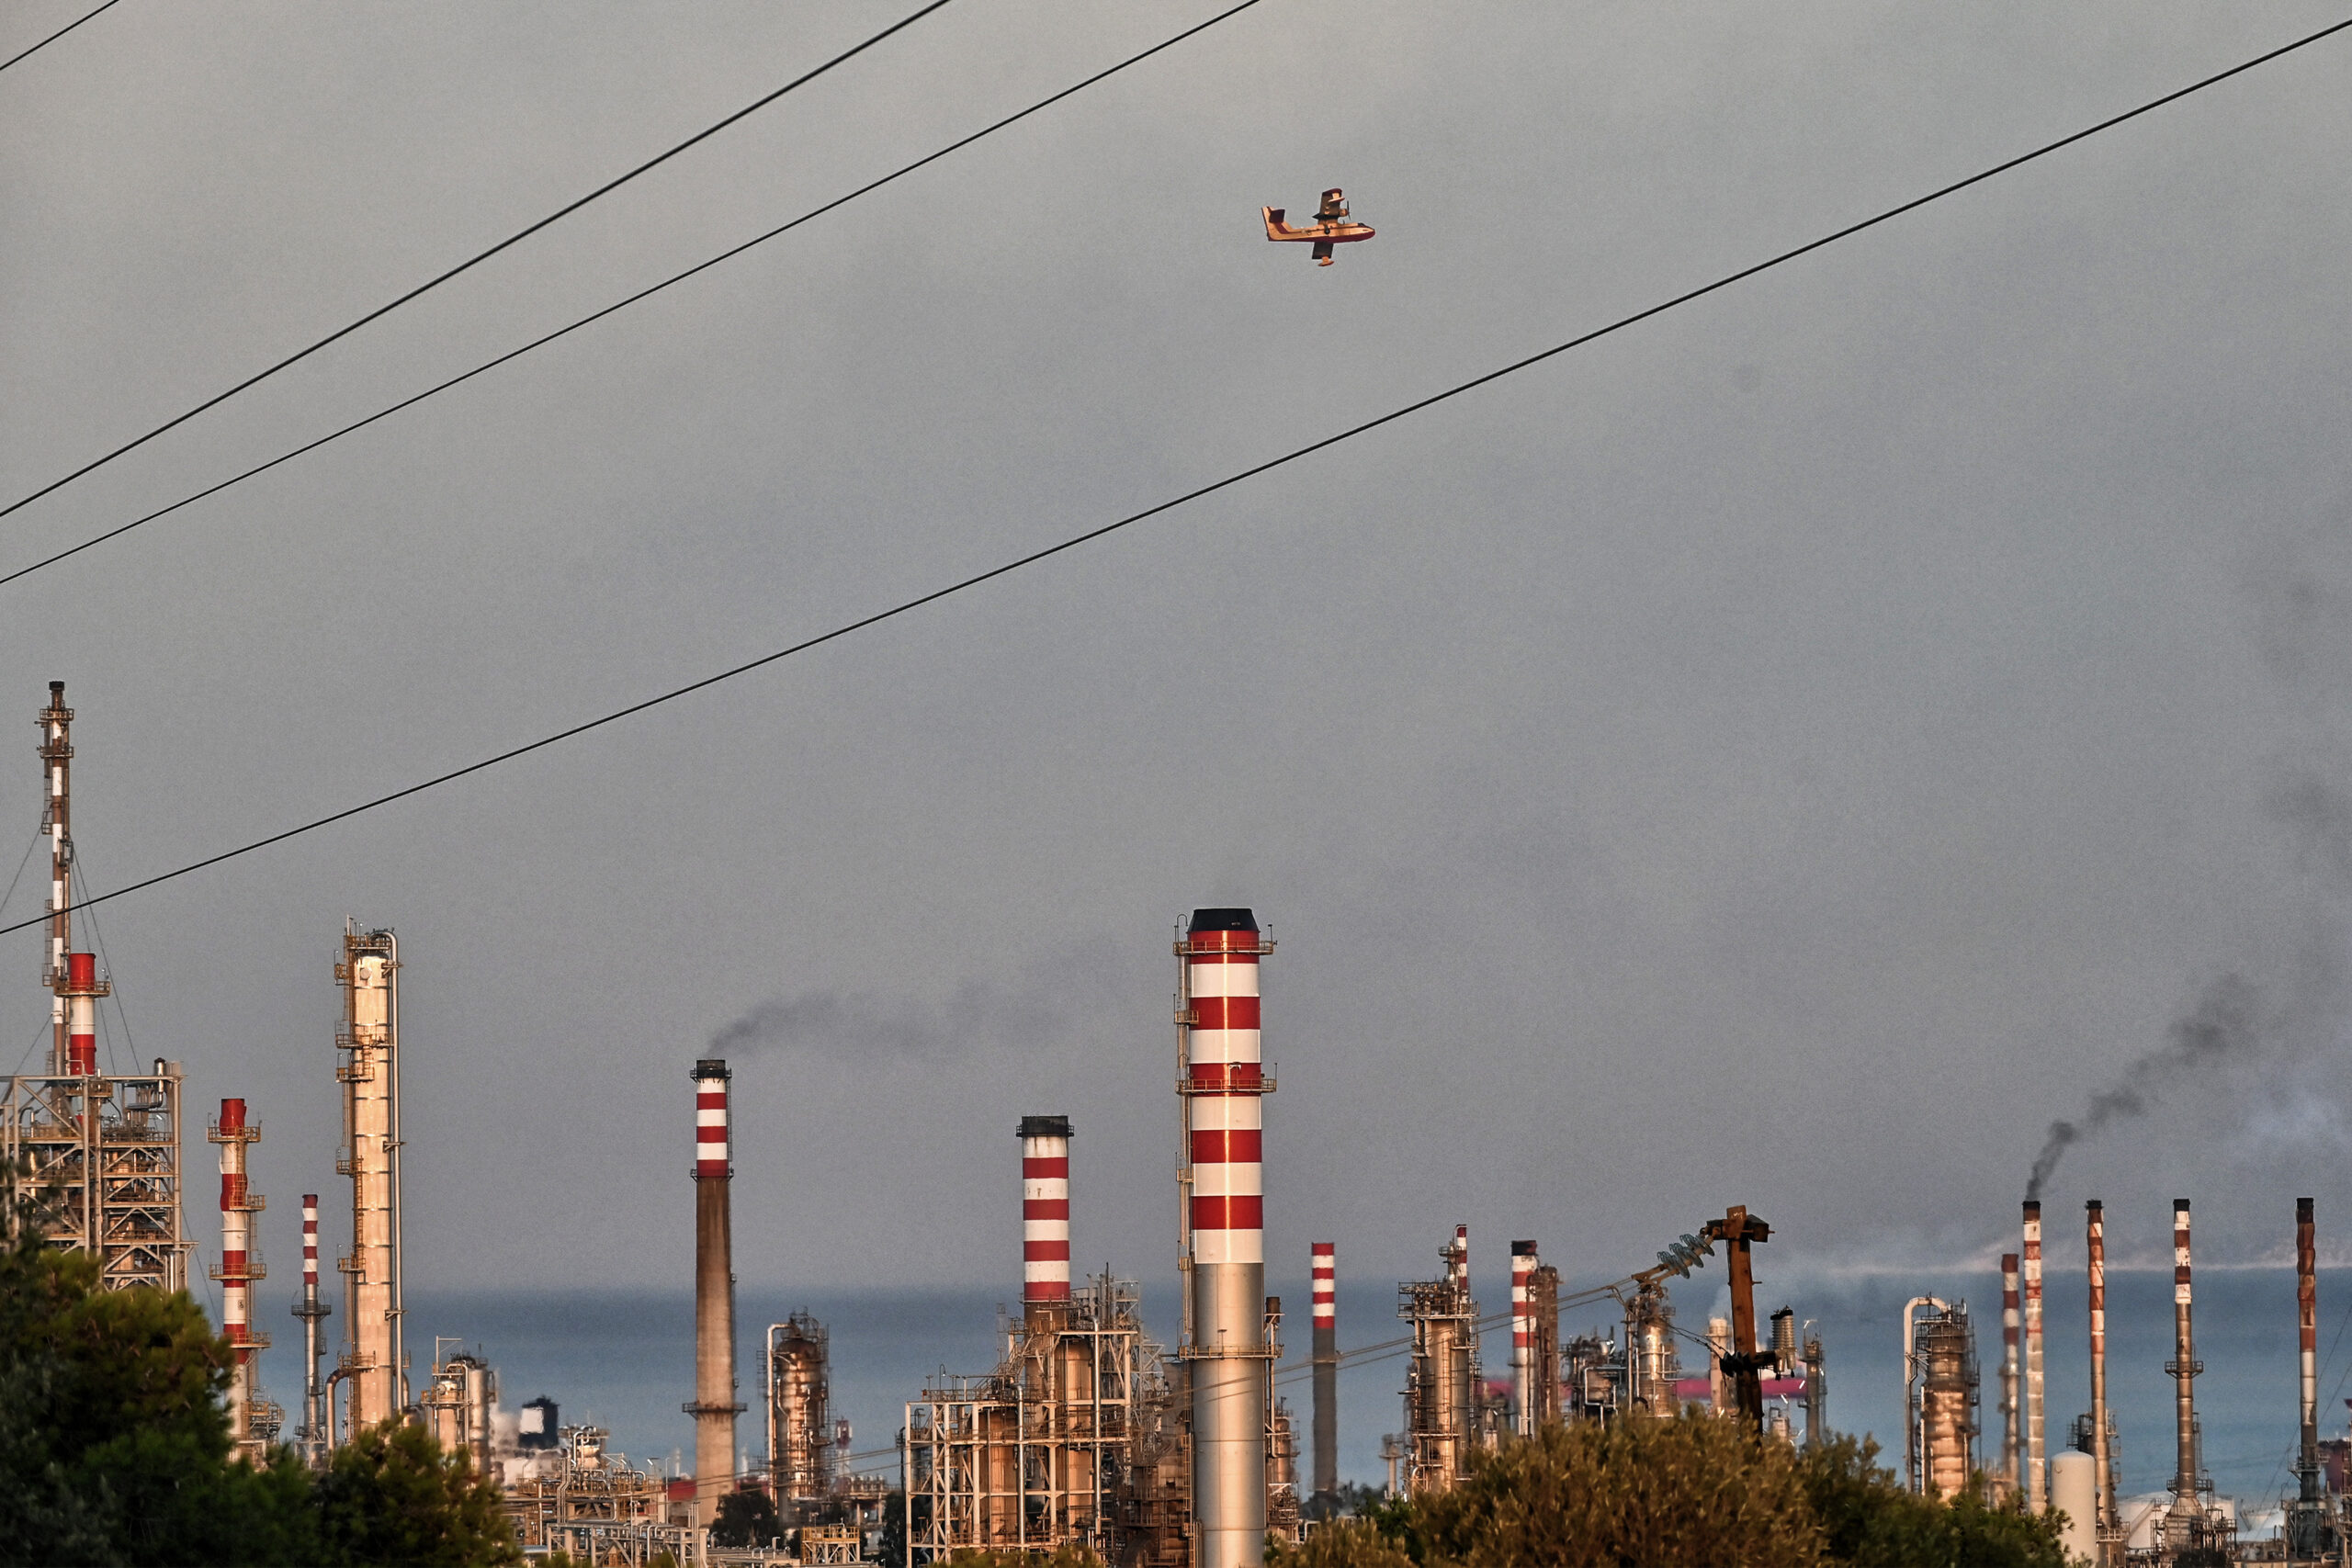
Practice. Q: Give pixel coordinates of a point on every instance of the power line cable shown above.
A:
(515, 238)
(1074, 541)
(623, 304)
(59, 33)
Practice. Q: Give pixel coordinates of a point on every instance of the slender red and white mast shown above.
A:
(1224, 1085)
(1045, 1215)
(1523, 1264)
(57, 760)
(72, 976)
(2095, 1249)
(240, 1267)
(1324, 1353)
(314, 1434)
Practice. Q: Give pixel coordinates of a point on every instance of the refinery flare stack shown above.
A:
(102, 1144)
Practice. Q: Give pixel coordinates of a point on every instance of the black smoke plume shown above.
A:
(2225, 1024)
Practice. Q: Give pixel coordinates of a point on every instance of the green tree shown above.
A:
(1868, 1518)
(114, 1443)
(747, 1517)
(391, 1495)
(1695, 1490)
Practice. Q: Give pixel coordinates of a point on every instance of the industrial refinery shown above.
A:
(1087, 1432)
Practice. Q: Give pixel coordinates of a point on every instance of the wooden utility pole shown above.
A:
(1737, 1229)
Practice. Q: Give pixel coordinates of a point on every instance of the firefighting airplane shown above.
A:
(1331, 227)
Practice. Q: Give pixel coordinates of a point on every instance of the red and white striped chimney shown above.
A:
(1044, 1214)
(714, 1406)
(239, 1267)
(2009, 1299)
(1523, 1264)
(2037, 1475)
(81, 992)
(1460, 1268)
(1224, 1088)
(1325, 1352)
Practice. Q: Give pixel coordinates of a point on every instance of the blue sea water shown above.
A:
(623, 1360)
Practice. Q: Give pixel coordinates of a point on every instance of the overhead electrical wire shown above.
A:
(623, 304)
(1075, 540)
(517, 237)
(59, 33)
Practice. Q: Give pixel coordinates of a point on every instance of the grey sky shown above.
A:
(1786, 753)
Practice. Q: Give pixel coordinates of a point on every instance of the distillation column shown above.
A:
(2037, 1478)
(714, 1406)
(1324, 1353)
(1223, 1088)
(314, 1433)
(240, 1267)
(374, 1360)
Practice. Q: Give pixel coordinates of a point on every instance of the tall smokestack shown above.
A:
(1045, 1217)
(2307, 1327)
(1523, 1264)
(2037, 1477)
(2311, 1534)
(240, 1267)
(2095, 1243)
(2184, 1521)
(714, 1407)
(1224, 1087)
(1325, 1352)
(313, 1434)
(2009, 1471)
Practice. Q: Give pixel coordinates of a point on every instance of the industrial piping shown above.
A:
(1324, 1353)
(1045, 1217)
(1223, 1088)
(2102, 1523)
(2037, 1482)
(714, 1406)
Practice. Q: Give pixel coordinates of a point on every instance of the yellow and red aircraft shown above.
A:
(1331, 227)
